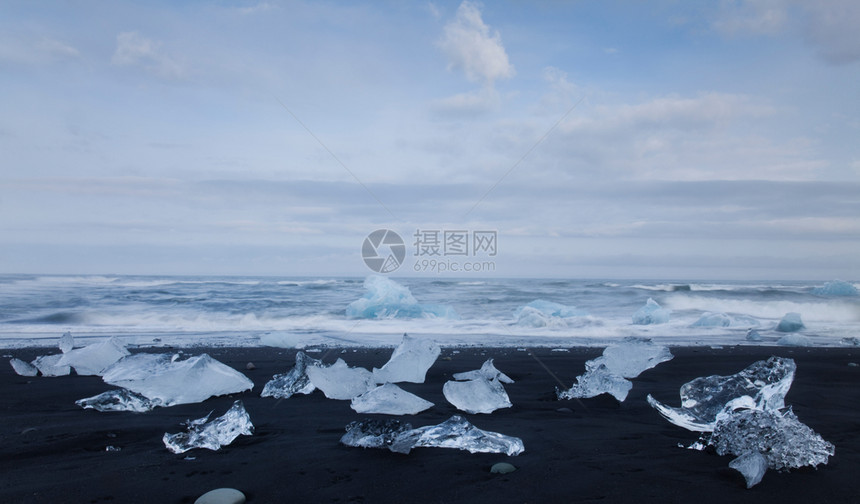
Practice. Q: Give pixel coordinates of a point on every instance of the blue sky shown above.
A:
(664, 139)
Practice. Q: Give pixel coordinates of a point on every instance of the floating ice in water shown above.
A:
(118, 400)
(836, 288)
(709, 319)
(606, 374)
(790, 323)
(409, 362)
(389, 399)
(779, 436)
(797, 340)
(853, 341)
(294, 381)
(339, 381)
(169, 381)
(542, 313)
(752, 465)
(651, 313)
(23, 368)
(95, 358)
(481, 392)
(595, 382)
(67, 342)
(49, 365)
(214, 434)
(488, 370)
(753, 335)
(764, 383)
(455, 432)
(386, 298)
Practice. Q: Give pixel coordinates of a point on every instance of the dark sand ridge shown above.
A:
(597, 451)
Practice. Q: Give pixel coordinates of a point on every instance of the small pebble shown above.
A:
(852, 364)
(502, 468)
(222, 496)
(564, 410)
(250, 366)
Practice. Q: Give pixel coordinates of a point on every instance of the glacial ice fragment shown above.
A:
(294, 381)
(389, 399)
(488, 370)
(170, 381)
(455, 432)
(542, 313)
(836, 288)
(784, 441)
(49, 365)
(709, 319)
(386, 298)
(67, 342)
(373, 433)
(118, 400)
(597, 381)
(339, 381)
(790, 323)
(606, 374)
(753, 335)
(764, 383)
(94, 359)
(214, 434)
(409, 362)
(23, 368)
(478, 395)
(752, 465)
(651, 313)
(797, 340)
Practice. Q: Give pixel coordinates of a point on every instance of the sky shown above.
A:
(656, 139)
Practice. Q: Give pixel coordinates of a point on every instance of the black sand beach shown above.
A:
(596, 450)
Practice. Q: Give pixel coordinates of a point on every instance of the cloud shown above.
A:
(58, 48)
(132, 49)
(832, 27)
(472, 48)
(754, 17)
(472, 103)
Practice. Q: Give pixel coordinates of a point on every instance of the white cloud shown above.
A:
(832, 27)
(756, 17)
(133, 49)
(58, 48)
(472, 103)
(473, 48)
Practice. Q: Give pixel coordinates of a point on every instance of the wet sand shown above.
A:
(596, 450)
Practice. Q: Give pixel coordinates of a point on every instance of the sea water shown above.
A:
(35, 310)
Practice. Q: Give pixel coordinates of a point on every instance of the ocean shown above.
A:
(35, 310)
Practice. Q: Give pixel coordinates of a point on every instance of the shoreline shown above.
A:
(592, 450)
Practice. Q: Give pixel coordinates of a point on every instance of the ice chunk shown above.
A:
(455, 432)
(169, 381)
(488, 371)
(797, 340)
(752, 465)
(836, 288)
(386, 298)
(542, 313)
(23, 368)
(779, 436)
(479, 395)
(651, 313)
(595, 382)
(339, 381)
(214, 434)
(118, 400)
(753, 335)
(764, 383)
(373, 433)
(606, 374)
(709, 319)
(94, 359)
(631, 357)
(790, 323)
(49, 365)
(294, 381)
(67, 342)
(852, 341)
(409, 362)
(389, 399)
